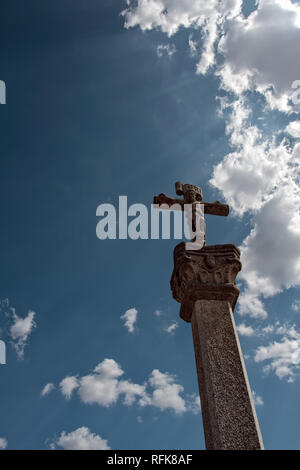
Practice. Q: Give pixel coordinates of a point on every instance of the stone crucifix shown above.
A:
(203, 282)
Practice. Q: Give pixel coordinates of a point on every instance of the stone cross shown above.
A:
(203, 282)
(192, 195)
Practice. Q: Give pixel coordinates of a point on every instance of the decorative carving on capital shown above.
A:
(208, 274)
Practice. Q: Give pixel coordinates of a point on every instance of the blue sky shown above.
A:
(101, 105)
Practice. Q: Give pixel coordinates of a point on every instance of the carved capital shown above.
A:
(207, 274)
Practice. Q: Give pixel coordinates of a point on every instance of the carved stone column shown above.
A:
(203, 282)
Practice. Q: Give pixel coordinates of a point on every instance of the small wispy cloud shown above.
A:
(282, 357)
(268, 329)
(171, 328)
(47, 389)
(168, 49)
(165, 394)
(20, 331)
(193, 45)
(68, 385)
(194, 404)
(158, 313)
(3, 443)
(258, 401)
(130, 317)
(245, 330)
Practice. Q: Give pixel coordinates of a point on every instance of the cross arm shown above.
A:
(216, 208)
(169, 201)
(213, 208)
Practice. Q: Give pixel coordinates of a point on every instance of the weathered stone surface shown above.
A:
(203, 282)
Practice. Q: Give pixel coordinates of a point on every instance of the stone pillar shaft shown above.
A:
(228, 413)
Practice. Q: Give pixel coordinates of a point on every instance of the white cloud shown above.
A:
(271, 253)
(68, 385)
(167, 15)
(262, 48)
(131, 391)
(210, 35)
(245, 330)
(231, 82)
(3, 443)
(171, 328)
(104, 386)
(286, 330)
(47, 389)
(293, 128)
(249, 303)
(258, 401)
(261, 177)
(168, 49)
(193, 45)
(130, 317)
(165, 394)
(81, 439)
(268, 329)
(249, 175)
(265, 46)
(21, 330)
(282, 357)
